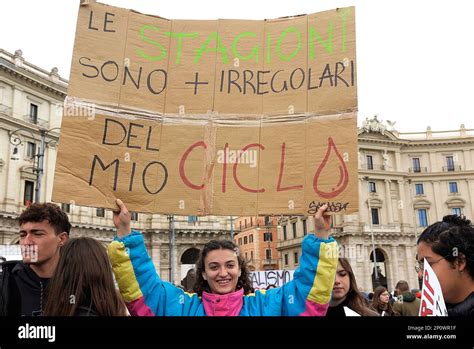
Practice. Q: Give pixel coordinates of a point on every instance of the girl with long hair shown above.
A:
(346, 293)
(83, 283)
(381, 302)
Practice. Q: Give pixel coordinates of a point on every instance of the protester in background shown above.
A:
(381, 302)
(346, 293)
(370, 296)
(406, 304)
(416, 292)
(44, 228)
(83, 283)
(223, 287)
(448, 247)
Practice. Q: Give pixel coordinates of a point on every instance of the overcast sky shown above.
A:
(414, 57)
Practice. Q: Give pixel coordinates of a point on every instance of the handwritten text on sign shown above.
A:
(200, 117)
(277, 278)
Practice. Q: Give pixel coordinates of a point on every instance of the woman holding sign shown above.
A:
(448, 246)
(223, 287)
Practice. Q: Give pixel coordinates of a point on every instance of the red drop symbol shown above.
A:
(343, 174)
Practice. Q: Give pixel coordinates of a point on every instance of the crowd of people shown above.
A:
(63, 276)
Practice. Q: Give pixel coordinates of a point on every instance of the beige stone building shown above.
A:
(406, 182)
(31, 105)
(257, 240)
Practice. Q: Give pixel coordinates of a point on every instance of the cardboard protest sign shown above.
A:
(277, 278)
(432, 300)
(224, 117)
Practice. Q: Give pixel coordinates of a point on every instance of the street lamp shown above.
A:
(413, 210)
(412, 199)
(16, 140)
(371, 229)
(172, 244)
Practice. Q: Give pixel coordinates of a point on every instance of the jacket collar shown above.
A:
(223, 304)
(465, 308)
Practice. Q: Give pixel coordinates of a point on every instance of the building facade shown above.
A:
(31, 107)
(406, 182)
(257, 241)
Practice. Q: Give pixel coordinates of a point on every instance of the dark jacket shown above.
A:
(85, 311)
(22, 292)
(465, 308)
(408, 306)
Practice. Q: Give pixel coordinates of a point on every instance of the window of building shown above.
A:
(250, 238)
(370, 162)
(192, 219)
(295, 258)
(100, 212)
(246, 257)
(33, 113)
(305, 227)
(372, 187)
(268, 236)
(419, 189)
(450, 163)
(453, 187)
(456, 211)
(422, 218)
(66, 208)
(251, 255)
(28, 195)
(134, 216)
(268, 253)
(294, 229)
(245, 240)
(375, 216)
(30, 150)
(285, 237)
(240, 241)
(416, 165)
(285, 258)
(267, 220)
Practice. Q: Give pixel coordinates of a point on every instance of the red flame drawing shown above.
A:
(343, 174)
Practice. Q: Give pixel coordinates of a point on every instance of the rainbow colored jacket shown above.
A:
(308, 294)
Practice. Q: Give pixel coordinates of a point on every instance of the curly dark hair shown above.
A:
(452, 238)
(201, 285)
(431, 234)
(49, 212)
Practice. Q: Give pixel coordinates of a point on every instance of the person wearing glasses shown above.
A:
(448, 246)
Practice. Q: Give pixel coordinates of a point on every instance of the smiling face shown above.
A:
(221, 271)
(342, 286)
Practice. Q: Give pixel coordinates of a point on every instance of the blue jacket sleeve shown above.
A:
(309, 293)
(142, 289)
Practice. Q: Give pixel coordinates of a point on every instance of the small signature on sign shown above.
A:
(332, 206)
